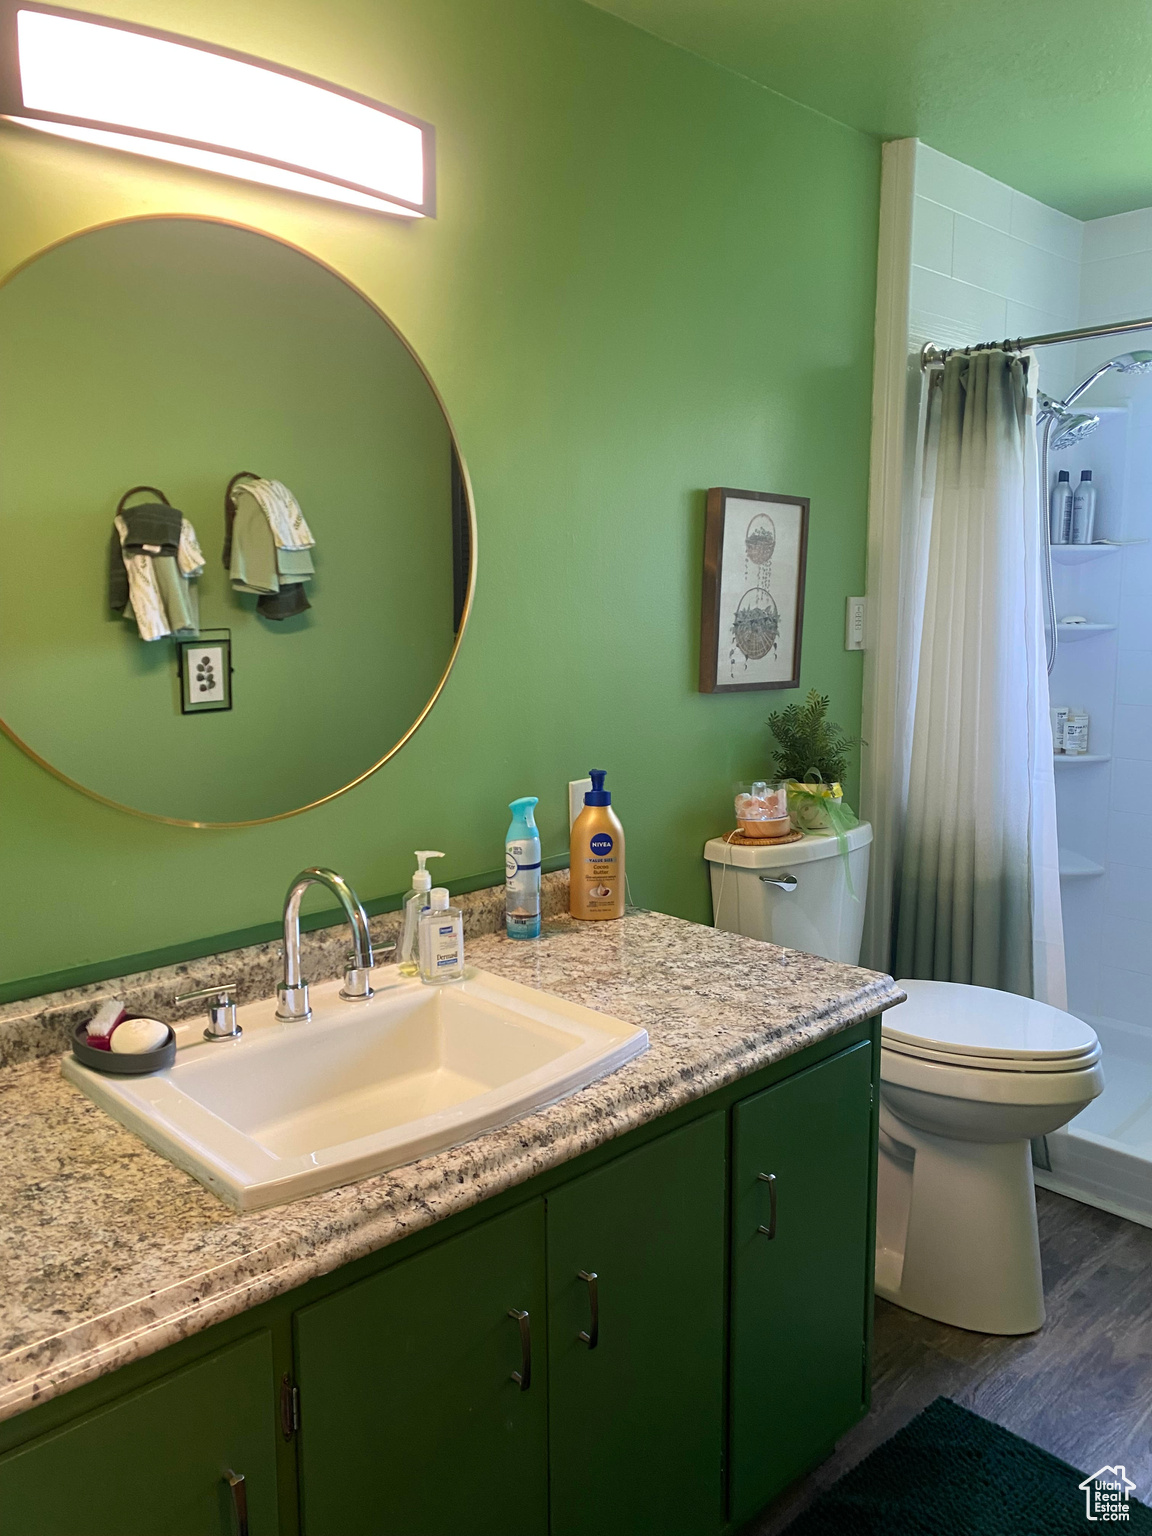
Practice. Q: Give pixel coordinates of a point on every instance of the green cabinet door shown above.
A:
(801, 1280)
(157, 1463)
(411, 1423)
(636, 1367)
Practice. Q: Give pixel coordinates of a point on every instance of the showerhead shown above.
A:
(1067, 426)
(1133, 362)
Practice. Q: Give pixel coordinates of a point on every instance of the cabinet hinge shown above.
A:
(289, 1406)
(871, 1093)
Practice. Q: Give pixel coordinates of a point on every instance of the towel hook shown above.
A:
(135, 491)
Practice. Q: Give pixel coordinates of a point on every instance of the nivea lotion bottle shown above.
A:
(522, 872)
(597, 856)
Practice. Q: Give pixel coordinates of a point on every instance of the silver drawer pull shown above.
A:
(523, 1377)
(784, 883)
(770, 1179)
(591, 1337)
(236, 1484)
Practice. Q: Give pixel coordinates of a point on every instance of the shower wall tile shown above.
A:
(932, 227)
(1122, 994)
(1121, 234)
(1117, 289)
(963, 188)
(1135, 618)
(1124, 946)
(1128, 893)
(1037, 224)
(1130, 839)
(979, 313)
(1134, 678)
(1133, 732)
(1129, 787)
(982, 255)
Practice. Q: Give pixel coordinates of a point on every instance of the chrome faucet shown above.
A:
(292, 993)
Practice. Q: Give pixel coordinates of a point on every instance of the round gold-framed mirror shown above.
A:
(305, 520)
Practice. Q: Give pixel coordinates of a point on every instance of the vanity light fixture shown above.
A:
(172, 98)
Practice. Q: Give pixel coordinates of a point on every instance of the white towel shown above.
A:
(188, 556)
(280, 507)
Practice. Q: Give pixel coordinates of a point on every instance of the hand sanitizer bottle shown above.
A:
(441, 940)
(522, 872)
(414, 903)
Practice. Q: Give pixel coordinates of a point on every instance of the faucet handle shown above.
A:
(357, 980)
(222, 1023)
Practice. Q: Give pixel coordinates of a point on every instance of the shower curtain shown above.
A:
(976, 894)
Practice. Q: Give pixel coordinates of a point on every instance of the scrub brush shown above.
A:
(103, 1022)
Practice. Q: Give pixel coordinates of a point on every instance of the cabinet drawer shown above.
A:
(156, 1463)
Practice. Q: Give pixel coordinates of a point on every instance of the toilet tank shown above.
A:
(822, 914)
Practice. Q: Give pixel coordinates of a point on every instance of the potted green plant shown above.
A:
(811, 755)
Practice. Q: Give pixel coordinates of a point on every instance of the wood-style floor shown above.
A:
(1081, 1387)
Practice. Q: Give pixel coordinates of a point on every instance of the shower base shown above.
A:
(1104, 1156)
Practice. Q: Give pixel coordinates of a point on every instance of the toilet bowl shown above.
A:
(968, 1076)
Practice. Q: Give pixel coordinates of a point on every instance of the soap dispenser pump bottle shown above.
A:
(522, 871)
(415, 903)
(441, 946)
(596, 856)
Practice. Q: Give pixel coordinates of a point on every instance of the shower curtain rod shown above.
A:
(934, 356)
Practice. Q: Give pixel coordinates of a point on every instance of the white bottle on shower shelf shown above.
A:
(1076, 733)
(1061, 509)
(1084, 509)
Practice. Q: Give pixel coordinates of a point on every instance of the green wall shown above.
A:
(648, 276)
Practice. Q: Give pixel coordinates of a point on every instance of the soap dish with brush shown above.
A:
(122, 1043)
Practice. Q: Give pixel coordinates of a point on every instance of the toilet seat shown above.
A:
(975, 1081)
(977, 1028)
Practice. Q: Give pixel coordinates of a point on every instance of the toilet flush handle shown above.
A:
(781, 882)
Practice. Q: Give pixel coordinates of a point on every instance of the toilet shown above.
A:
(969, 1077)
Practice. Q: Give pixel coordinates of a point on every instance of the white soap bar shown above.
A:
(137, 1035)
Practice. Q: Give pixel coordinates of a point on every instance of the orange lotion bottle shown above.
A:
(596, 856)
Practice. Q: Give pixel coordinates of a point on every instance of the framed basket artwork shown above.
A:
(752, 608)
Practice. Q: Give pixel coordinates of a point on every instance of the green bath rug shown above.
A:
(952, 1473)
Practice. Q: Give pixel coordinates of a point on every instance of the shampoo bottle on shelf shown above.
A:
(414, 903)
(1084, 509)
(441, 939)
(596, 862)
(1061, 511)
(1076, 733)
(522, 871)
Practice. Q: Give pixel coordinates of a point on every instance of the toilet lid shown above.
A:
(954, 1022)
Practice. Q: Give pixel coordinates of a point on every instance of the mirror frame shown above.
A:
(258, 821)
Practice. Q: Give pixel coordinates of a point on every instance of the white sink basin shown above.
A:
(291, 1109)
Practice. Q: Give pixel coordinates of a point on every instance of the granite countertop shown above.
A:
(113, 1253)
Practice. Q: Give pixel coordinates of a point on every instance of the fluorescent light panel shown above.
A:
(97, 81)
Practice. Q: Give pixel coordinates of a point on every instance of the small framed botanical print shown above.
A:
(205, 667)
(752, 608)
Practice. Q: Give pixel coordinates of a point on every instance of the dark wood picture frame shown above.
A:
(712, 597)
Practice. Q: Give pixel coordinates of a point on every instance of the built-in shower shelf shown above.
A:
(1074, 866)
(1082, 631)
(1081, 757)
(1077, 554)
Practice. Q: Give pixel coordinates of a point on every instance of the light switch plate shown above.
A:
(577, 789)
(854, 614)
